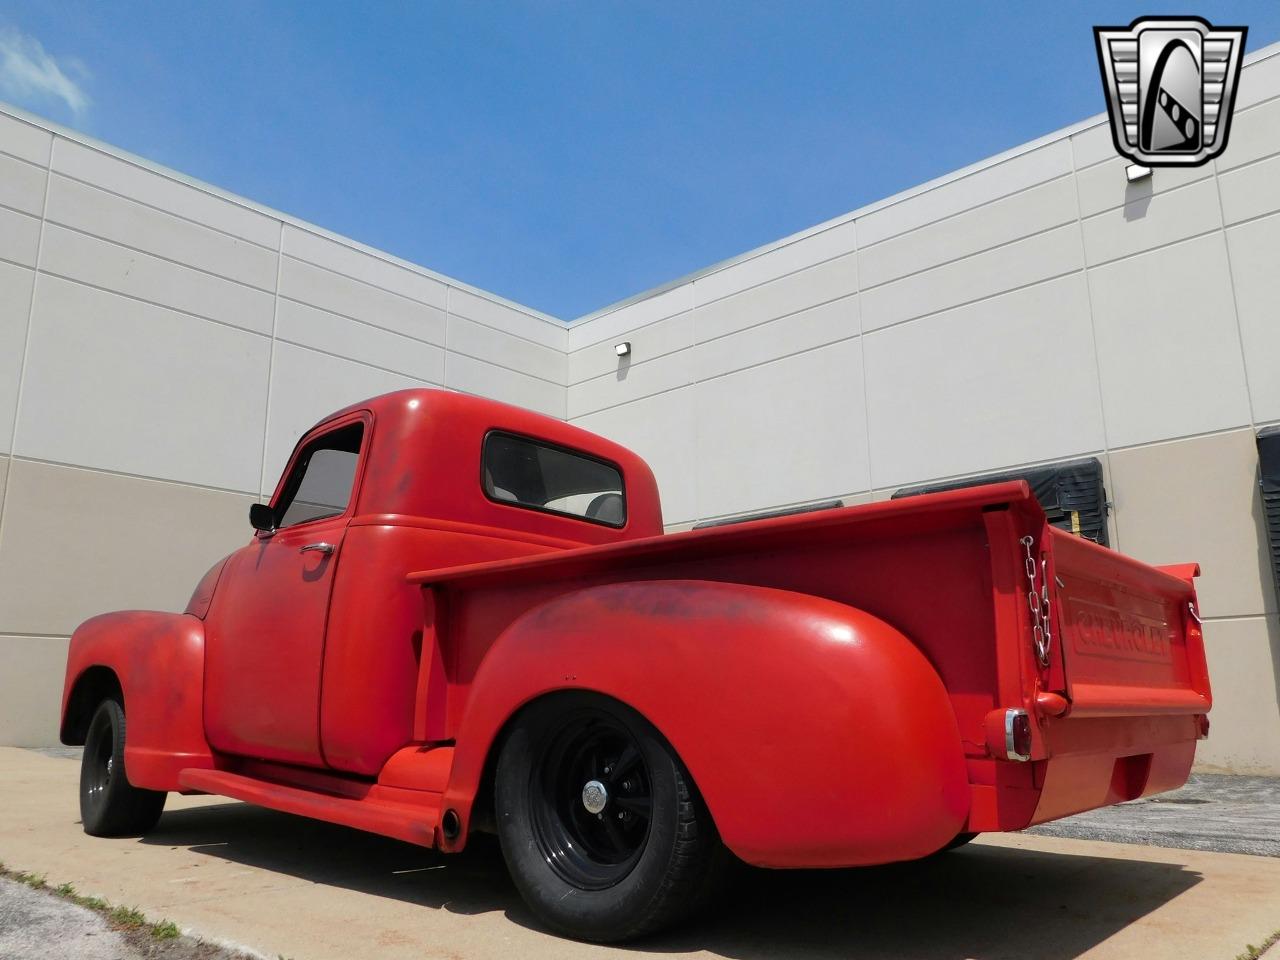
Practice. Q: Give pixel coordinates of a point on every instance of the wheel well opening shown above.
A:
(93, 686)
(482, 817)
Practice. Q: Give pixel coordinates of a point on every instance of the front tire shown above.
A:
(601, 827)
(110, 806)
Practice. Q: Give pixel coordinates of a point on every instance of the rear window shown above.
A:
(536, 475)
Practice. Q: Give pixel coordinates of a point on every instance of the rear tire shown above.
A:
(110, 806)
(626, 857)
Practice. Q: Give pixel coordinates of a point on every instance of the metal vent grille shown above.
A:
(1269, 468)
(1071, 494)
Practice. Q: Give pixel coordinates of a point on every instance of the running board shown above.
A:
(409, 815)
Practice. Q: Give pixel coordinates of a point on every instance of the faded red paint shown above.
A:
(835, 682)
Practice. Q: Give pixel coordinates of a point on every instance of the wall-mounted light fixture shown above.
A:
(1136, 172)
(622, 349)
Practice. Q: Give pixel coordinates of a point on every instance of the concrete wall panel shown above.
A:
(1092, 144)
(1255, 133)
(307, 386)
(979, 187)
(25, 140)
(765, 342)
(131, 224)
(1006, 381)
(1106, 186)
(15, 305)
(1254, 248)
(653, 340)
(631, 382)
(127, 178)
(1244, 668)
(805, 441)
(495, 346)
(630, 318)
(503, 316)
(1034, 210)
(1045, 255)
(21, 185)
(99, 263)
(19, 237)
(824, 244)
(342, 295)
(1250, 191)
(661, 429)
(1148, 222)
(31, 689)
(1168, 348)
(798, 291)
(121, 385)
(1198, 500)
(77, 542)
(306, 326)
(365, 267)
(487, 380)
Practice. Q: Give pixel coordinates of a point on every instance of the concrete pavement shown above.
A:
(311, 891)
(35, 923)
(1232, 814)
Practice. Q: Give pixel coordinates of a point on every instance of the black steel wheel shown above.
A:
(110, 806)
(592, 761)
(601, 827)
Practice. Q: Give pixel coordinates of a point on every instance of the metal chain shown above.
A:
(1038, 601)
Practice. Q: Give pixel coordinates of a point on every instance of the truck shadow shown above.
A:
(982, 902)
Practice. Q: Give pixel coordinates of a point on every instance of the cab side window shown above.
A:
(322, 479)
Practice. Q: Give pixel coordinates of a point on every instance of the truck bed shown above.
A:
(1115, 710)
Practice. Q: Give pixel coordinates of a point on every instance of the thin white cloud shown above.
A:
(30, 75)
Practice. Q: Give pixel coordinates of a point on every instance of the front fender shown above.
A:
(158, 661)
(817, 734)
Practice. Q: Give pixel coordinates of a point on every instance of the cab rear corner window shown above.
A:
(1070, 493)
(539, 476)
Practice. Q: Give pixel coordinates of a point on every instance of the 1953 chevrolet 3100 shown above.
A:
(457, 615)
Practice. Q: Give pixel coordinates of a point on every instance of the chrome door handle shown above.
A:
(322, 547)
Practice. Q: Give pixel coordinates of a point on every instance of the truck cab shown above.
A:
(315, 611)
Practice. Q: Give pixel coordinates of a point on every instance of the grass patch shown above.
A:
(33, 880)
(122, 918)
(127, 918)
(1253, 953)
(165, 930)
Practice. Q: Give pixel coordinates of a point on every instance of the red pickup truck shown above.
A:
(457, 615)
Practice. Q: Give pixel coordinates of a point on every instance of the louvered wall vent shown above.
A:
(1269, 467)
(1071, 494)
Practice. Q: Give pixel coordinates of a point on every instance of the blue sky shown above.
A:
(565, 155)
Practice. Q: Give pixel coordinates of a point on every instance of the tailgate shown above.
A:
(1129, 633)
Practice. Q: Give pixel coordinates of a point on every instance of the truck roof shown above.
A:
(424, 460)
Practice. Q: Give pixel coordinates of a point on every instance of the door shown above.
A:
(266, 629)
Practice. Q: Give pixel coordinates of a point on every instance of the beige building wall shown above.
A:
(1032, 308)
(162, 346)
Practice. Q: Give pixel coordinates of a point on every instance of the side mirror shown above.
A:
(262, 518)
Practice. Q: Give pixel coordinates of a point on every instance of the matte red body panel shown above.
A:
(835, 682)
(374, 639)
(803, 722)
(158, 659)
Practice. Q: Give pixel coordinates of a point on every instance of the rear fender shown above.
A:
(157, 660)
(817, 734)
